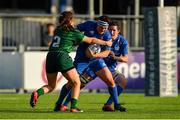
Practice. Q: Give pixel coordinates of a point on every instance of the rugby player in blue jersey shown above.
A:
(119, 53)
(97, 29)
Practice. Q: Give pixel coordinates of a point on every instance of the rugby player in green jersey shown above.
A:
(66, 37)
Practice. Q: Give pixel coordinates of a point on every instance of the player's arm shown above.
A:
(102, 54)
(124, 55)
(92, 40)
(122, 58)
(105, 50)
(92, 54)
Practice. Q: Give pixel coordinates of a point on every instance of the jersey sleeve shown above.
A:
(79, 36)
(124, 46)
(106, 37)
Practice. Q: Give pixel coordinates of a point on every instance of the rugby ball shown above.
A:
(95, 48)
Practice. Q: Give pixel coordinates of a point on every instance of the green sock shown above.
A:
(73, 103)
(40, 92)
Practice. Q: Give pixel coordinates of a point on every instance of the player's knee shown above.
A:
(120, 79)
(76, 82)
(110, 83)
(121, 83)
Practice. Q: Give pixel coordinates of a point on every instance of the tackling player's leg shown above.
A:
(66, 93)
(43, 90)
(103, 72)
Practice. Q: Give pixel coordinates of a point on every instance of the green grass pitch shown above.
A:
(16, 106)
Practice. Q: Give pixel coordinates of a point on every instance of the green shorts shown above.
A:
(58, 62)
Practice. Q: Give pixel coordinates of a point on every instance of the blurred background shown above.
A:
(24, 22)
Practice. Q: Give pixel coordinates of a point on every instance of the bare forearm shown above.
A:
(91, 40)
(98, 41)
(102, 54)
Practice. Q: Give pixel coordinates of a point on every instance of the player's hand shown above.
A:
(109, 43)
(112, 54)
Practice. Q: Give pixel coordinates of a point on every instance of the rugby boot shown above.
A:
(107, 108)
(63, 108)
(34, 99)
(120, 108)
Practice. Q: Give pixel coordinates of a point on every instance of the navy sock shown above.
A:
(119, 89)
(62, 95)
(110, 100)
(114, 94)
(68, 99)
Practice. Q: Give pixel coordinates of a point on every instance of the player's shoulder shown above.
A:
(58, 29)
(122, 39)
(87, 25)
(107, 33)
(75, 30)
(90, 22)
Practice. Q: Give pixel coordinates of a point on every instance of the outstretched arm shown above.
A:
(92, 40)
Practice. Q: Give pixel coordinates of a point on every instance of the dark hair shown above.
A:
(105, 18)
(64, 20)
(115, 23)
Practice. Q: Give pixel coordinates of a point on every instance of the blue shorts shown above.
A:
(80, 67)
(95, 66)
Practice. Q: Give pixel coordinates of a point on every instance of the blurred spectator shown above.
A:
(48, 36)
(178, 36)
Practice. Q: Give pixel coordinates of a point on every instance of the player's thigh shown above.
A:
(106, 76)
(51, 62)
(64, 62)
(81, 66)
(51, 69)
(72, 76)
(93, 67)
(97, 65)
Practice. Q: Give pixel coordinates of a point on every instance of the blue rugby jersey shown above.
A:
(119, 47)
(89, 29)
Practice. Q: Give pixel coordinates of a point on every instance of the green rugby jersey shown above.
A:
(65, 40)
